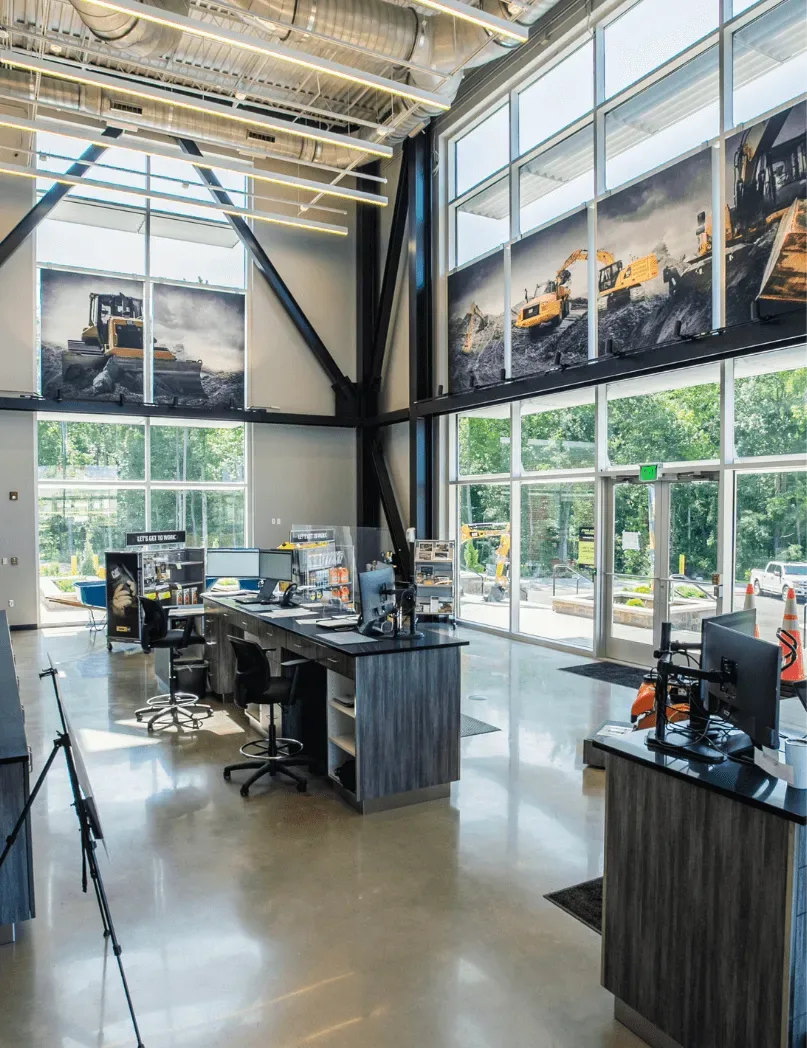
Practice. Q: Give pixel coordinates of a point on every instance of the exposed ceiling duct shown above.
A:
(399, 41)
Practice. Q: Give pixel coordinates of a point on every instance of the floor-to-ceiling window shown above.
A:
(559, 540)
(99, 480)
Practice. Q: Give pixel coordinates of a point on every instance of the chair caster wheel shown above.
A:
(301, 787)
(151, 728)
(244, 791)
(226, 775)
(109, 647)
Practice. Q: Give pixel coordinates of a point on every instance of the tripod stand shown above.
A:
(90, 830)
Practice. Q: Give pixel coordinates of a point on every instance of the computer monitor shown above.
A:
(751, 700)
(276, 564)
(233, 563)
(376, 593)
(744, 621)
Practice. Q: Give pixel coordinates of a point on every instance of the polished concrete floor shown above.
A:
(286, 920)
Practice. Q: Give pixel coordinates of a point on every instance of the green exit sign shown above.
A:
(648, 473)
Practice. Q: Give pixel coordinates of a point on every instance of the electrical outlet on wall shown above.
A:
(10, 603)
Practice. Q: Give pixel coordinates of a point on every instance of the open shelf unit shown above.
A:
(434, 578)
(341, 730)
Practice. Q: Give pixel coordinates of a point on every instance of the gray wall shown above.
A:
(301, 475)
(18, 519)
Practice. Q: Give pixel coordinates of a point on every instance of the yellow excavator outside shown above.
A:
(111, 349)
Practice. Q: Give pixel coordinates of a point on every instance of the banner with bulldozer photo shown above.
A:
(91, 336)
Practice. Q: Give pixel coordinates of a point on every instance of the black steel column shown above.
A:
(58, 191)
(368, 495)
(342, 386)
(422, 430)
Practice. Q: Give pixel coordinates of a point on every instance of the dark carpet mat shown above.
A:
(583, 901)
(472, 726)
(610, 672)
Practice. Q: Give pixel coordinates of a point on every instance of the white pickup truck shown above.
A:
(778, 577)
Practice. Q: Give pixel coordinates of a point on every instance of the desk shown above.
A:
(404, 729)
(705, 891)
(16, 876)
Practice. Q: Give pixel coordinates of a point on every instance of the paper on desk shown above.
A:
(285, 613)
(349, 637)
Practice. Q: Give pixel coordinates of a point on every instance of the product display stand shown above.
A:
(90, 833)
(175, 576)
(323, 567)
(434, 579)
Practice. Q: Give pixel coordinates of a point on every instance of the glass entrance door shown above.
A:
(660, 557)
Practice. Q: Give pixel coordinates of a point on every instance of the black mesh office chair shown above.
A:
(255, 684)
(179, 707)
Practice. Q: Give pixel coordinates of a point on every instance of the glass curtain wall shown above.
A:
(526, 499)
(535, 157)
(99, 480)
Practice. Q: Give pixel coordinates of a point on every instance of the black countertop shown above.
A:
(13, 744)
(307, 630)
(742, 782)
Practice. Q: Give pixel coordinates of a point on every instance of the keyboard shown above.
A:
(338, 622)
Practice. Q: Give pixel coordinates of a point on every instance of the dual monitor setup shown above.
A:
(377, 590)
(733, 693)
(273, 566)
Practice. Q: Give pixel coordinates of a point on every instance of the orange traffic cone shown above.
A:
(751, 605)
(793, 679)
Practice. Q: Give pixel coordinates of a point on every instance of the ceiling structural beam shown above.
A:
(392, 265)
(131, 145)
(276, 52)
(403, 555)
(79, 75)
(154, 194)
(781, 332)
(43, 207)
(342, 386)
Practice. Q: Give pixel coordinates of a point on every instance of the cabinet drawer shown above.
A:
(336, 661)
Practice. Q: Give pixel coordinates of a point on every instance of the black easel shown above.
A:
(90, 834)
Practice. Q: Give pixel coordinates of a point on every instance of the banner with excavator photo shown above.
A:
(91, 336)
(653, 270)
(549, 297)
(199, 340)
(766, 217)
(476, 323)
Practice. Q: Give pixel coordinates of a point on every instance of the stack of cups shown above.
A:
(796, 757)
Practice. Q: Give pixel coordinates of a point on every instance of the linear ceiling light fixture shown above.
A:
(231, 38)
(466, 13)
(226, 209)
(80, 75)
(93, 137)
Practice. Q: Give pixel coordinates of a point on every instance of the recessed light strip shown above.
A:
(226, 209)
(231, 38)
(79, 75)
(466, 13)
(94, 137)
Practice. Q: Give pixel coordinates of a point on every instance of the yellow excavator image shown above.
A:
(768, 189)
(552, 305)
(111, 349)
(619, 284)
(476, 320)
(500, 531)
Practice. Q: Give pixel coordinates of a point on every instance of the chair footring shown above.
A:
(260, 748)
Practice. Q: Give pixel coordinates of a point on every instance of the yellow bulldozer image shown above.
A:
(111, 349)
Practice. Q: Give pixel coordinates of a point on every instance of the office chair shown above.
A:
(255, 684)
(181, 707)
